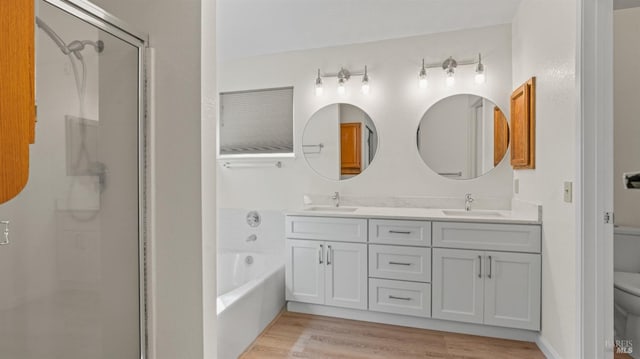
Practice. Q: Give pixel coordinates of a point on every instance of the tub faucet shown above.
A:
(467, 202)
(336, 199)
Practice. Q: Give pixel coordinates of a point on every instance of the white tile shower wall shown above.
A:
(233, 231)
(395, 104)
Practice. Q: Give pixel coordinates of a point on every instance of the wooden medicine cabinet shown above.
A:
(523, 126)
(17, 94)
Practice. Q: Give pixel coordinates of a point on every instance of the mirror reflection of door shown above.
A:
(350, 148)
(463, 136)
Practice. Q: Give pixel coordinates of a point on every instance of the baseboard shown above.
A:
(546, 348)
(415, 322)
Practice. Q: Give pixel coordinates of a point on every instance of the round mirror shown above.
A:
(339, 141)
(463, 136)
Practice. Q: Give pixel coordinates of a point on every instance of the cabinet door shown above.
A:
(346, 275)
(512, 290)
(523, 127)
(457, 288)
(305, 271)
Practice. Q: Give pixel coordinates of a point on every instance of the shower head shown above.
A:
(74, 47)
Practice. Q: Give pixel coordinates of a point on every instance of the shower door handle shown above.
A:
(4, 236)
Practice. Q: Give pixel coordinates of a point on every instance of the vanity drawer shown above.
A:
(488, 236)
(409, 233)
(326, 228)
(402, 263)
(392, 296)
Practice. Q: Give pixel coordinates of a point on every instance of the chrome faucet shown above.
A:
(467, 202)
(336, 199)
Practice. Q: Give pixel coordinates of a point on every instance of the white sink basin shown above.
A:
(331, 209)
(477, 213)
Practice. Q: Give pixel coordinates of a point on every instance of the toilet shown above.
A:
(626, 297)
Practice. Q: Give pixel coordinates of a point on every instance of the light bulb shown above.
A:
(422, 77)
(422, 83)
(480, 77)
(365, 82)
(341, 89)
(450, 80)
(366, 88)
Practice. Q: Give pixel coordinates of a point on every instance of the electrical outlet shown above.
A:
(568, 192)
(516, 185)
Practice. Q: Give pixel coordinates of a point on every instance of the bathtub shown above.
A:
(250, 295)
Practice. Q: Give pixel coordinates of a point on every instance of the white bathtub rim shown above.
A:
(228, 300)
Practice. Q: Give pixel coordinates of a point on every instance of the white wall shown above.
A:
(626, 98)
(395, 105)
(544, 45)
(174, 28)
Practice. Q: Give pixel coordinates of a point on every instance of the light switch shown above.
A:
(516, 185)
(568, 192)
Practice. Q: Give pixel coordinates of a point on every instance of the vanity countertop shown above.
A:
(428, 214)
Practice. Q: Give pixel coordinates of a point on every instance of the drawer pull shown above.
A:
(400, 232)
(479, 266)
(399, 298)
(321, 253)
(329, 255)
(400, 263)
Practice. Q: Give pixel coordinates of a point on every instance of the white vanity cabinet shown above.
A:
(500, 288)
(407, 271)
(326, 272)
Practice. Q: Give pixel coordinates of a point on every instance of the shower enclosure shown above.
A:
(72, 243)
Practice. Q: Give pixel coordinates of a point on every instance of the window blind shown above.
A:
(256, 121)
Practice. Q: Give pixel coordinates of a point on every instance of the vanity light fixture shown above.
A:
(449, 66)
(343, 77)
(319, 89)
(365, 82)
(480, 76)
(422, 77)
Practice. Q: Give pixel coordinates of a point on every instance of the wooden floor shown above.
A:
(295, 335)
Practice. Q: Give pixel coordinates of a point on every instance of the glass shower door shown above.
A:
(69, 276)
